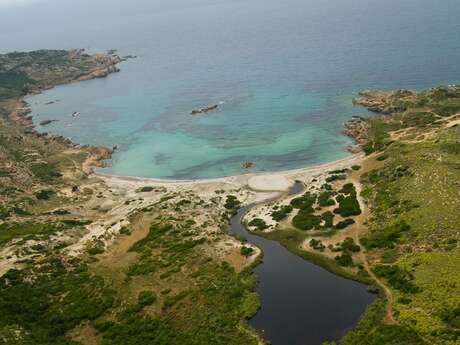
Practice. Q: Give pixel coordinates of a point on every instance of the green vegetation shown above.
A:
(348, 206)
(336, 178)
(324, 199)
(45, 171)
(145, 189)
(317, 245)
(398, 278)
(344, 223)
(281, 213)
(413, 226)
(258, 223)
(305, 202)
(246, 251)
(344, 259)
(27, 231)
(305, 220)
(232, 203)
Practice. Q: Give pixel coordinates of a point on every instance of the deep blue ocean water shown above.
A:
(284, 71)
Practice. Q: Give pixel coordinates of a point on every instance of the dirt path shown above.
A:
(360, 229)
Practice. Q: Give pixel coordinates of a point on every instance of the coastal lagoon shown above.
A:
(282, 72)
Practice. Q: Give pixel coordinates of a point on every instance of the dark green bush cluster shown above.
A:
(258, 223)
(348, 188)
(385, 238)
(398, 278)
(317, 245)
(281, 213)
(324, 199)
(145, 189)
(345, 259)
(45, 171)
(452, 317)
(305, 202)
(348, 206)
(349, 245)
(328, 218)
(344, 223)
(356, 167)
(305, 220)
(246, 251)
(232, 203)
(44, 194)
(336, 178)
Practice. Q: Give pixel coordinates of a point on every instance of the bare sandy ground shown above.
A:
(257, 182)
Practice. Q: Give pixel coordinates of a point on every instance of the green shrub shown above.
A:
(385, 238)
(348, 206)
(317, 245)
(281, 213)
(382, 157)
(232, 203)
(324, 199)
(45, 171)
(356, 167)
(305, 202)
(146, 298)
(349, 245)
(246, 251)
(258, 223)
(45, 194)
(145, 189)
(304, 220)
(348, 188)
(344, 223)
(398, 278)
(328, 218)
(335, 178)
(344, 260)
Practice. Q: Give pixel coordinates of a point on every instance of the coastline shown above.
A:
(258, 182)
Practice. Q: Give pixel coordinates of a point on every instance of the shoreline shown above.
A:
(278, 181)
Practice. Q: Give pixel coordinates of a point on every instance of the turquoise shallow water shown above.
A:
(284, 73)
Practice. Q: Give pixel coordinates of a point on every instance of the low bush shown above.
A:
(45, 171)
(258, 223)
(281, 213)
(145, 189)
(305, 202)
(328, 218)
(349, 245)
(385, 238)
(304, 220)
(317, 245)
(348, 206)
(246, 251)
(344, 223)
(232, 203)
(324, 199)
(335, 178)
(398, 278)
(344, 260)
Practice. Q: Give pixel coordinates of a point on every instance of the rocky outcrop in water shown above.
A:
(384, 102)
(356, 128)
(204, 110)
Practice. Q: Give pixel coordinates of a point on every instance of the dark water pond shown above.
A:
(302, 304)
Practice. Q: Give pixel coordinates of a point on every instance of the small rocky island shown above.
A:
(204, 110)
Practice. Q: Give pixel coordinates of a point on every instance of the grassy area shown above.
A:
(413, 226)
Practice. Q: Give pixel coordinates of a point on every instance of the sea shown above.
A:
(282, 72)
